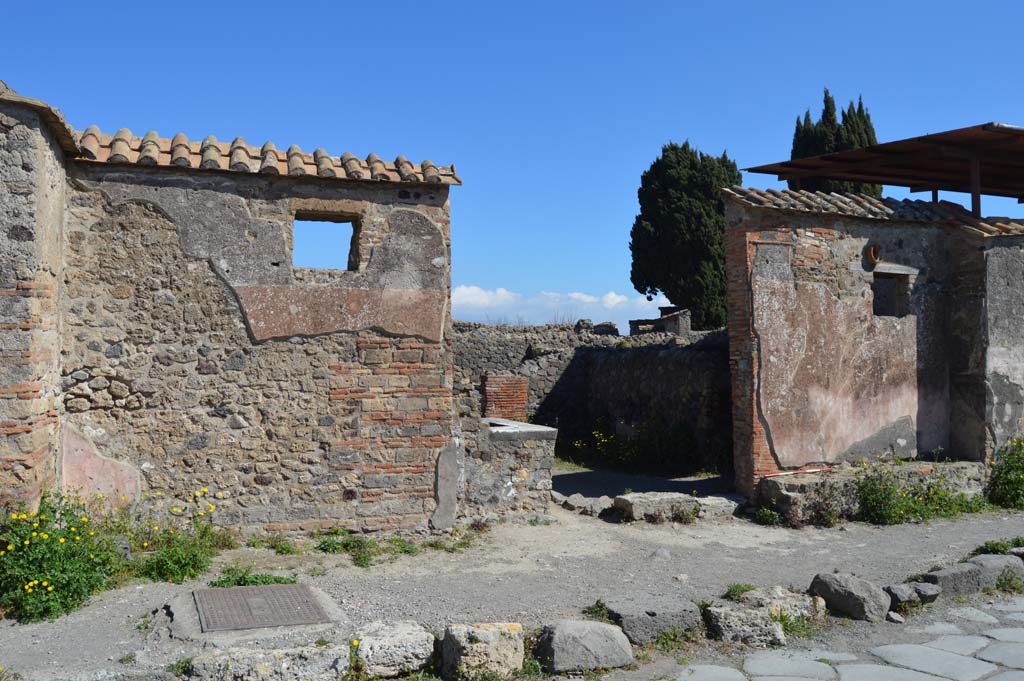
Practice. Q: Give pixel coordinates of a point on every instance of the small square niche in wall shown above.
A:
(322, 244)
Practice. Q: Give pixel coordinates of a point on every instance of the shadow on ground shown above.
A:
(598, 483)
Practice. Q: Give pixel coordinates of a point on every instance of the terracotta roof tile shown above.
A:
(858, 205)
(210, 154)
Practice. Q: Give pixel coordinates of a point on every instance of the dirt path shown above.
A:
(529, 574)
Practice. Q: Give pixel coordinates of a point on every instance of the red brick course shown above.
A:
(506, 397)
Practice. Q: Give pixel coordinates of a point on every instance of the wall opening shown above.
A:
(325, 244)
(891, 294)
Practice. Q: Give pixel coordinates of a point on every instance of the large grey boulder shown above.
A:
(394, 649)
(328, 663)
(956, 580)
(482, 649)
(575, 645)
(994, 567)
(751, 626)
(903, 596)
(642, 616)
(852, 596)
(656, 507)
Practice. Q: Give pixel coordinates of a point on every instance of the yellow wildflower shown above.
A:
(61, 540)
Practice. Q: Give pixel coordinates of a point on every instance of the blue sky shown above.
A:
(551, 111)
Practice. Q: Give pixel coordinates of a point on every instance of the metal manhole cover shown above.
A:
(254, 607)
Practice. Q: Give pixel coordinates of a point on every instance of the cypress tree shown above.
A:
(677, 240)
(828, 135)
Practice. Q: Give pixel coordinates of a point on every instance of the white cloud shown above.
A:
(613, 299)
(500, 305)
(474, 296)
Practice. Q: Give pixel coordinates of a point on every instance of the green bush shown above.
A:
(734, 591)
(999, 546)
(277, 543)
(1006, 477)
(765, 515)
(885, 500)
(52, 560)
(177, 557)
(239, 576)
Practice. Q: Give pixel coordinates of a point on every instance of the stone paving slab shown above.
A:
(961, 645)
(933, 661)
(973, 615)
(1006, 654)
(1007, 676)
(1007, 635)
(878, 672)
(707, 672)
(783, 664)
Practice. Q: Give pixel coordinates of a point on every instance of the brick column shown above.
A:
(31, 218)
(506, 396)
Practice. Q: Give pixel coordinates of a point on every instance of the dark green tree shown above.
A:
(828, 135)
(677, 240)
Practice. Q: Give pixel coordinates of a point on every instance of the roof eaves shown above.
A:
(53, 118)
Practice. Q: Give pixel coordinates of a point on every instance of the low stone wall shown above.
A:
(510, 469)
(794, 496)
(669, 394)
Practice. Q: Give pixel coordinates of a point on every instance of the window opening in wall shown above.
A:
(891, 294)
(324, 244)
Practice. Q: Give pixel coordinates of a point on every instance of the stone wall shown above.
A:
(834, 379)
(31, 214)
(194, 355)
(638, 387)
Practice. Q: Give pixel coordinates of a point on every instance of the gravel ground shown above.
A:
(528, 574)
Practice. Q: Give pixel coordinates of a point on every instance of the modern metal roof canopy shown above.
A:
(982, 159)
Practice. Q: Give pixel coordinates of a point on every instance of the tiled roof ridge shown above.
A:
(212, 154)
(859, 205)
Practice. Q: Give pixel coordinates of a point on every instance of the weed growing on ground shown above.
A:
(598, 611)
(1010, 582)
(180, 667)
(685, 516)
(734, 591)
(1006, 476)
(886, 500)
(673, 640)
(127, 659)
(277, 543)
(239, 576)
(999, 546)
(766, 515)
(800, 626)
(8, 675)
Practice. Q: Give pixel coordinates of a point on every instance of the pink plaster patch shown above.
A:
(85, 470)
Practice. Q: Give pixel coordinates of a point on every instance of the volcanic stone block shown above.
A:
(656, 507)
(398, 649)
(852, 596)
(574, 645)
(482, 649)
(957, 580)
(642, 616)
(994, 567)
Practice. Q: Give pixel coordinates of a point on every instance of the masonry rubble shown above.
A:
(157, 335)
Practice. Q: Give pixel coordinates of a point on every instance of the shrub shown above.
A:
(1010, 582)
(1006, 477)
(765, 515)
(239, 576)
(885, 500)
(800, 626)
(52, 560)
(277, 543)
(177, 557)
(999, 546)
(734, 591)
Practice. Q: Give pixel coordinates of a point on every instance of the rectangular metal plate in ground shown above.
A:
(254, 607)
